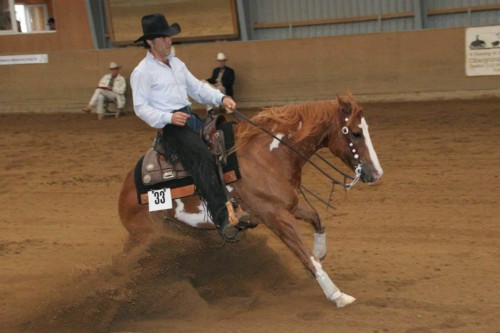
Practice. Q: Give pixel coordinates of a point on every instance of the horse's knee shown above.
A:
(303, 213)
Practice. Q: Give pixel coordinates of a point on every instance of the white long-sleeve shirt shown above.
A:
(158, 89)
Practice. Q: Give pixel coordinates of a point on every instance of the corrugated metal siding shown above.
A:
(306, 10)
(467, 19)
(283, 11)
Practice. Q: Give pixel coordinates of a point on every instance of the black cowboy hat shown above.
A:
(156, 25)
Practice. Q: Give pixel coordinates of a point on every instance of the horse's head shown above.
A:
(351, 141)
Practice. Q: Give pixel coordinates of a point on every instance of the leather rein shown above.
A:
(344, 184)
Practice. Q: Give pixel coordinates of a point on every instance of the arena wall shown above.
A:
(414, 65)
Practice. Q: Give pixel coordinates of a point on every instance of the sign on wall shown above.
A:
(482, 51)
(24, 59)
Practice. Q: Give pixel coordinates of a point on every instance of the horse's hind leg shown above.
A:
(307, 214)
(283, 224)
(134, 217)
(140, 231)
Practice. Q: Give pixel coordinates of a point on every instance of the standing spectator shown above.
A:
(223, 76)
(111, 88)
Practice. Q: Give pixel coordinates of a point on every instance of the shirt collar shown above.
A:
(151, 57)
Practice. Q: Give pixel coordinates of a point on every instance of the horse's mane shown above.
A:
(296, 121)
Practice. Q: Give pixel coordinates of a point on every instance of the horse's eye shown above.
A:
(357, 135)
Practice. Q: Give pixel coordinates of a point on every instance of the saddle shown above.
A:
(213, 136)
(156, 170)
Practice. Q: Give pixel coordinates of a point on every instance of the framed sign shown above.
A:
(199, 19)
(482, 51)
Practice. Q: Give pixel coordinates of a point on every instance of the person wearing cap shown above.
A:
(111, 88)
(161, 84)
(222, 76)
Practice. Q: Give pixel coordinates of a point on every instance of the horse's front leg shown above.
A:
(307, 214)
(285, 227)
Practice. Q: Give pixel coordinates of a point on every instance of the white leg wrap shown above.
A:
(332, 292)
(329, 288)
(319, 246)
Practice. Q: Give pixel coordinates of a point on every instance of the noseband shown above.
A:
(357, 169)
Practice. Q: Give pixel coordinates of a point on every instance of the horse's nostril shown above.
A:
(377, 175)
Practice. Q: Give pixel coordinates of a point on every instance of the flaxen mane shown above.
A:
(294, 121)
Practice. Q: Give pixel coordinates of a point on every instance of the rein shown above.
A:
(347, 186)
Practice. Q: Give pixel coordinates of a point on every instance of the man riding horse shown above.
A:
(161, 84)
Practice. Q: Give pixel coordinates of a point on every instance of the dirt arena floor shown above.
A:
(419, 250)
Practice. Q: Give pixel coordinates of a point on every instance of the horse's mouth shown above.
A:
(370, 177)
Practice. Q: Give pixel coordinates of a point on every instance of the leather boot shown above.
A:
(229, 231)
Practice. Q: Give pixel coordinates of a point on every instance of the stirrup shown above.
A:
(230, 233)
(240, 221)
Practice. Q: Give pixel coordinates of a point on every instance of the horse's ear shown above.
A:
(341, 101)
(345, 106)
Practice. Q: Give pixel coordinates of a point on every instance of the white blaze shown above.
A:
(369, 145)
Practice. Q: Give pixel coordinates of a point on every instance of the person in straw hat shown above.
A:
(161, 84)
(111, 88)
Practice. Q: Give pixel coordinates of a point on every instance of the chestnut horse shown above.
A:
(270, 168)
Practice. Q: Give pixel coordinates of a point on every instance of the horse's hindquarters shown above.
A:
(134, 217)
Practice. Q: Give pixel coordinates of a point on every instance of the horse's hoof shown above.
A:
(344, 300)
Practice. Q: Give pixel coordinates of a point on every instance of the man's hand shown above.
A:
(229, 104)
(180, 118)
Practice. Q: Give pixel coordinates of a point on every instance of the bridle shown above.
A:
(355, 155)
(345, 131)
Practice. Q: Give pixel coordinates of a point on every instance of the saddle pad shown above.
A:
(155, 168)
(185, 187)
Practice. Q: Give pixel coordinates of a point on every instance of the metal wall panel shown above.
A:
(283, 11)
(307, 10)
(464, 19)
